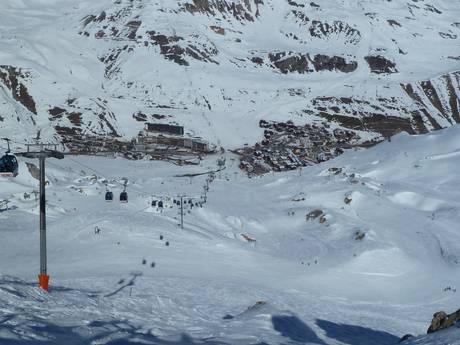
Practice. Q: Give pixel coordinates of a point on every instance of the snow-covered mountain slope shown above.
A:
(359, 250)
(449, 336)
(217, 67)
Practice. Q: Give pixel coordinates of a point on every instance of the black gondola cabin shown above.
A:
(9, 166)
(108, 196)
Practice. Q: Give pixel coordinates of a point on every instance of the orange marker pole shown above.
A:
(43, 282)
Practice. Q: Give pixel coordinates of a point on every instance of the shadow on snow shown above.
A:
(105, 332)
(356, 335)
(295, 329)
(122, 332)
(19, 329)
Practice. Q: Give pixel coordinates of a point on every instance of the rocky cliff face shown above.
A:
(442, 320)
(218, 67)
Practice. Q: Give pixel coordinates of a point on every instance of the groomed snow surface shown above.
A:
(288, 280)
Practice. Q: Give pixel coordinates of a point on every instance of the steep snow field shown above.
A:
(248, 267)
(217, 67)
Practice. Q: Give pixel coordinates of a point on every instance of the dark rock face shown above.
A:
(393, 23)
(257, 60)
(246, 10)
(433, 107)
(140, 117)
(71, 120)
(178, 49)
(323, 30)
(380, 65)
(362, 115)
(170, 50)
(433, 96)
(133, 26)
(405, 338)
(442, 321)
(454, 101)
(387, 126)
(125, 25)
(289, 62)
(314, 214)
(331, 63)
(111, 61)
(56, 112)
(300, 16)
(359, 235)
(13, 78)
(431, 8)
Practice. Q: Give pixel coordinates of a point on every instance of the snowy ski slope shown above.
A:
(248, 267)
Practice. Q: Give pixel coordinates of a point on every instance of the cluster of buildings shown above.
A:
(286, 146)
(165, 137)
(159, 141)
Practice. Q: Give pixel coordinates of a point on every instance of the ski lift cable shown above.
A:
(6, 148)
(24, 145)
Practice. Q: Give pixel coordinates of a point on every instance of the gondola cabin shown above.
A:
(9, 166)
(109, 196)
(124, 197)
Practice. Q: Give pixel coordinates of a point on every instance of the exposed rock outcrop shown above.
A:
(246, 10)
(379, 64)
(76, 117)
(314, 214)
(405, 338)
(323, 30)
(331, 63)
(173, 50)
(437, 100)
(290, 62)
(13, 79)
(441, 320)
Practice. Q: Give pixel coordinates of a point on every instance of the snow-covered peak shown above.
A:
(217, 67)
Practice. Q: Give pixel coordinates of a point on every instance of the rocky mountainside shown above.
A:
(365, 69)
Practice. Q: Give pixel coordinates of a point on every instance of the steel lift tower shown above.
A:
(41, 152)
